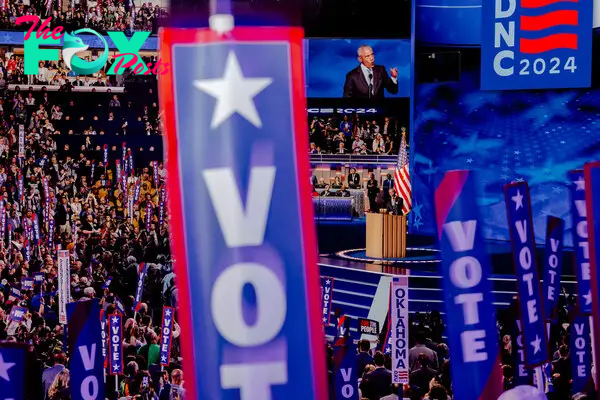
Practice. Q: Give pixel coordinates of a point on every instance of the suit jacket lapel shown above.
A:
(363, 80)
(376, 79)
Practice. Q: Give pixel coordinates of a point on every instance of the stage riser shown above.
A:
(354, 292)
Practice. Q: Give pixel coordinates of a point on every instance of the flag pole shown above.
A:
(221, 16)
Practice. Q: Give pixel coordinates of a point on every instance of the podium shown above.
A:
(386, 236)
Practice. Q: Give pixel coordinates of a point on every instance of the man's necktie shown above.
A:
(370, 83)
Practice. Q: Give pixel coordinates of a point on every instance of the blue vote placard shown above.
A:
(246, 260)
(591, 188)
(531, 306)
(473, 338)
(555, 232)
(580, 241)
(536, 44)
(580, 351)
(326, 298)
(115, 338)
(12, 370)
(166, 335)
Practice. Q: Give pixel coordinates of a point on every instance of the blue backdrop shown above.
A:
(329, 60)
(506, 136)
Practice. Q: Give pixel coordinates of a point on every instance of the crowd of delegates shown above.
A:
(101, 16)
(430, 363)
(107, 242)
(355, 135)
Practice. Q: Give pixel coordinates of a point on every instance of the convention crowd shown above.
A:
(86, 204)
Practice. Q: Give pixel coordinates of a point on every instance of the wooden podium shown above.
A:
(386, 236)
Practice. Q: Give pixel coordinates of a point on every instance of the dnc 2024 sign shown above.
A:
(536, 44)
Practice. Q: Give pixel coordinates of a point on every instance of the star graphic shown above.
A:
(417, 224)
(116, 367)
(556, 189)
(115, 320)
(324, 320)
(518, 199)
(562, 142)
(505, 177)
(469, 160)
(4, 367)
(544, 212)
(580, 183)
(167, 312)
(163, 359)
(536, 344)
(517, 152)
(417, 210)
(234, 93)
(588, 297)
(328, 281)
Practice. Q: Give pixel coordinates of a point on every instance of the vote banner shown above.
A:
(591, 187)
(64, 285)
(105, 156)
(342, 333)
(531, 306)
(555, 231)
(85, 347)
(368, 326)
(326, 298)
(137, 301)
(345, 379)
(580, 350)
(580, 230)
(26, 283)
(166, 335)
(399, 330)
(536, 44)
(521, 374)
(17, 314)
(21, 141)
(13, 358)
(38, 278)
(236, 137)
(104, 337)
(115, 339)
(471, 319)
(14, 293)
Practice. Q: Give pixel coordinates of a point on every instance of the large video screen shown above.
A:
(335, 69)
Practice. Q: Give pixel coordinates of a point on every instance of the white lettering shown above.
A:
(528, 277)
(89, 388)
(522, 230)
(88, 357)
(472, 342)
(579, 329)
(241, 226)
(254, 380)
(585, 271)
(551, 293)
(501, 34)
(465, 272)
(581, 371)
(532, 311)
(461, 234)
(525, 258)
(500, 13)
(581, 208)
(227, 302)
(470, 310)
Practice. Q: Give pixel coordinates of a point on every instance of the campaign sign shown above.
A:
(591, 186)
(104, 336)
(246, 262)
(17, 314)
(345, 379)
(64, 284)
(399, 330)
(166, 336)
(555, 231)
(368, 326)
(326, 298)
(84, 339)
(521, 374)
(580, 242)
(580, 350)
(473, 338)
(15, 293)
(342, 330)
(115, 337)
(536, 44)
(531, 306)
(26, 283)
(13, 357)
(38, 278)
(139, 291)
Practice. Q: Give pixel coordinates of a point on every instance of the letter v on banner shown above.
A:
(234, 234)
(591, 188)
(471, 315)
(531, 306)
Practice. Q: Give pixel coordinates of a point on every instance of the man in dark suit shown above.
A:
(395, 203)
(353, 179)
(377, 383)
(369, 81)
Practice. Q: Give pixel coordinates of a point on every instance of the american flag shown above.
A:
(402, 178)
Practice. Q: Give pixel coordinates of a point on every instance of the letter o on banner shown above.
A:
(166, 331)
(347, 391)
(227, 310)
(553, 261)
(465, 272)
(400, 293)
(525, 258)
(115, 339)
(89, 388)
(580, 343)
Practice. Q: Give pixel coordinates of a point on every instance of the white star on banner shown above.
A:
(518, 199)
(4, 367)
(328, 281)
(537, 344)
(469, 160)
(588, 297)
(325, 320)
(580, 183)
(115, 320)
(116, 367)
(168, 312)
(234, 93)
(163, 359)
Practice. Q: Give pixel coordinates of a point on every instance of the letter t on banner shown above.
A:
(236, 132)
(468, 295)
